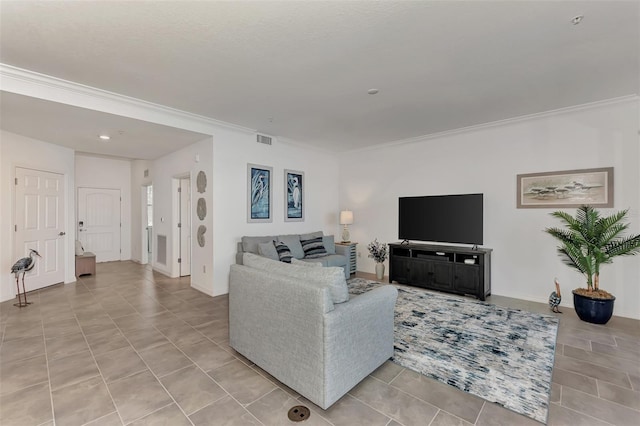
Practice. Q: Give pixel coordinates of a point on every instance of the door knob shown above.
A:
(62, 233)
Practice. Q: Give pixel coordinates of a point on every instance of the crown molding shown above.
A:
(507, 121)
(26, 78)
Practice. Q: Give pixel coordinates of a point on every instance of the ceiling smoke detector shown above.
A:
(372, 91)
(577, 19)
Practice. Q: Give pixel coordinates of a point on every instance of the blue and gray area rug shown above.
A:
(501, 355)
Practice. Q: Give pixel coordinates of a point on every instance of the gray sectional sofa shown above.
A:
(336, 255)
(298, 323)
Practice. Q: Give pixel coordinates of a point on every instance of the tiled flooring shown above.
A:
(128, 346)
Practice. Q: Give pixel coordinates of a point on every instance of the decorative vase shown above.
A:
(379, 270)
(595, 311)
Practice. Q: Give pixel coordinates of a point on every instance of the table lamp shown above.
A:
(346, 219)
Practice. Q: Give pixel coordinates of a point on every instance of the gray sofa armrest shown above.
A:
(358, 339)
(278, 323)
(343, 250)
(239, 252)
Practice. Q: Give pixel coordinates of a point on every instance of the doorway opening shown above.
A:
(147, 224)
(184, 226)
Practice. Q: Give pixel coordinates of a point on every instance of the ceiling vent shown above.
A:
(267, 140)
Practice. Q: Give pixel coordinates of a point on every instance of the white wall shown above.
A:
(231, 153)
(487, 160)
(109, 173)
(138, 181)
(165, 211)
(19, 151)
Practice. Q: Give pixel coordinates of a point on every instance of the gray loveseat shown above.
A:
(336, 255)
(298, 324)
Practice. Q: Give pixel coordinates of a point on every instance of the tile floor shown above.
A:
(128, 346)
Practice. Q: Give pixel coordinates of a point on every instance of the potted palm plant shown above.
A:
(588, 241)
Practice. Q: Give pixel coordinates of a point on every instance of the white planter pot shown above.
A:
(379, 270)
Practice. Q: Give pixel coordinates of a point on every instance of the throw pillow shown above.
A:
(284, 254)
(313, 248)
(295, 261)
(268, 250)
(293, 242)
(311, 235)
(329, 244)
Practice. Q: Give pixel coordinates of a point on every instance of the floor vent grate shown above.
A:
(299, 413)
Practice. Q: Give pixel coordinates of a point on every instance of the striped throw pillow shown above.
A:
(313, 248)
(283, 252)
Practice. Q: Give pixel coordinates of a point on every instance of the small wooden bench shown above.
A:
(86, 264)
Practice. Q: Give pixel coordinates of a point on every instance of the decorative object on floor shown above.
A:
(201, 182)
(294, 198)
(555, 298)
(378, 252)
(22, 266)
(346, 219)
(568, 188)
(259, 194)
(588, 241)
(201, 208)
(501, 355)
(200, 235)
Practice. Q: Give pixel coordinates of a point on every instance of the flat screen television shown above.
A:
(441, 218)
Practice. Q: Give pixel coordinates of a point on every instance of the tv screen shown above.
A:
(441, 218)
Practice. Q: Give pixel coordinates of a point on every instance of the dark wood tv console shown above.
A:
(452, 269)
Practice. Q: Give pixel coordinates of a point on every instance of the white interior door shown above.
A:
(40, 225)
(185, 227)
(99, 222)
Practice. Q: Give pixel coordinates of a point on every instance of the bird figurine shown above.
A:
(23, 266)
(555, 298)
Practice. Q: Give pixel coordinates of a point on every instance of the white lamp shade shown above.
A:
(346, 217)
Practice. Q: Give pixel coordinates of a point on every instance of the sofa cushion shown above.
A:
(284, 254)
(324, 277)
(250, 244)
(329, 244)
(303, 262)
(311, 235)
(268, 249)
(293, 242)
(313, 248)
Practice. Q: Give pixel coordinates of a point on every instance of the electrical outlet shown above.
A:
(204, 269)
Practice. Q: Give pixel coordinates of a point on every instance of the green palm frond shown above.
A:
(629, 246)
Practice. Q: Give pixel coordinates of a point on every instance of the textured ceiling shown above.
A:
(301, 70)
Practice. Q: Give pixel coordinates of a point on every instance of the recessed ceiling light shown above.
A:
(372, 91)
(105, 137)
(577, 19)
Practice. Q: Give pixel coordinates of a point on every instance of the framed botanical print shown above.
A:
(259, 193)
(294, 198)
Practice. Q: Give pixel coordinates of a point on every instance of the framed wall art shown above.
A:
(570, 188)
(259, 194)
(294, 198)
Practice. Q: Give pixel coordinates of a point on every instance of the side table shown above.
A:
(351, 254)
(86, 264)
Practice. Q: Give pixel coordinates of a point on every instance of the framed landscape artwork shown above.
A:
(570, 188)
(259, 193)
(294, 199)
